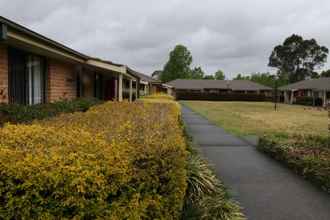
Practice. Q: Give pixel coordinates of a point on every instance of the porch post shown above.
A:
(136, 89)
(130, 90)
(120, 88)
(292, 97)
(286, 98)
(324, 98)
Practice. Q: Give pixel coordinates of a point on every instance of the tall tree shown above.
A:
(297, 58)
(178, 66)
(219, 75)
(197, 73)
(325, 73)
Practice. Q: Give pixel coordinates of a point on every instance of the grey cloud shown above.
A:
(236, 36)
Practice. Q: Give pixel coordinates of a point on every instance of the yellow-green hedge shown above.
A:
(116, 161)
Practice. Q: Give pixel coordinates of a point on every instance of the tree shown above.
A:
(156, 74)
(219, 75)
(209, 77)
(197, 73)
(178, 66)
(265, 79)
(325, 73)
(297, 58)
(241, 77)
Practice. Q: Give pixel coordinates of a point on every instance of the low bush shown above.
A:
(115, 161)
(24, 113)
(308, 156)
(222, 97)
(206, 197)
(159, 96)
(309, 101)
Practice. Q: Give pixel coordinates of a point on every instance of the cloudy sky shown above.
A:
(236, 36)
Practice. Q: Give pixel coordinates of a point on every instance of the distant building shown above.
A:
(316, 89)
(217, 89)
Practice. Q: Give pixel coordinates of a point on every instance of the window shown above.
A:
(27, 77)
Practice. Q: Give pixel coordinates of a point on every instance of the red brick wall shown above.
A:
(3, 74)
(61, 81)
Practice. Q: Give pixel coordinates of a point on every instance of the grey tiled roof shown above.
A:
(313, 84)
(143, 76)
(236, 85)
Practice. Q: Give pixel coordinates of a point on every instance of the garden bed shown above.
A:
(308, 156)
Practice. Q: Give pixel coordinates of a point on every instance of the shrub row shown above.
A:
(309, 101)
(221, 97)
(308, 156)
(22, 113)
(115, 161)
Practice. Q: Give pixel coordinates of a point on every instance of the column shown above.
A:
(324, 98)
(130, 90)
(120, 88)
(286, 97)
(136, 89)
(292, 97)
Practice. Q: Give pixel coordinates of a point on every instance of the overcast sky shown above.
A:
(236, 36)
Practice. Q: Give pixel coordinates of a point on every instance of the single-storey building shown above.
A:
(149, 85)
(316, 89)
(35, 69)
(218, 87)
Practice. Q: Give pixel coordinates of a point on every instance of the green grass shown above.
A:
(259, 118)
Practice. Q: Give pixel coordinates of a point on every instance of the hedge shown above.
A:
(309, 101)
(115, 161)
(221, 97)
(15, 113)
(308, 156)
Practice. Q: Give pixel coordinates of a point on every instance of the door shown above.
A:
(110, 90)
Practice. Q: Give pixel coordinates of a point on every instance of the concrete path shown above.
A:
(265, 189)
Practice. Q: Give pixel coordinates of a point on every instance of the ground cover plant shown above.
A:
(206, 196)
(297, 136)
(115, 161)
(15, 113)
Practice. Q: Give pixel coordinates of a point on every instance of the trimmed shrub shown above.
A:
(115, 161)
(24, 113)
(221, 97)
(309, 101)
(159, 96)
(308, 156)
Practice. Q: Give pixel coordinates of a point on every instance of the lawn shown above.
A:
(259, 118)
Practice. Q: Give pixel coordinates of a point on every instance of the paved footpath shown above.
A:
(265, 189)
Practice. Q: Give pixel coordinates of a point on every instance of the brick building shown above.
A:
(35, 69)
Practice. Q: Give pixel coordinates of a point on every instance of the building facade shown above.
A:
(35, 69)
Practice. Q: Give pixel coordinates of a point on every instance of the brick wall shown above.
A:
(61, 81)
(3, 74)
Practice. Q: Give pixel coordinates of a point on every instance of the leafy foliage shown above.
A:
(178, 66)
(206, 196)
(209, 77)
(219, 75)
(297, 58)
(197, 73)
(23, 114)
(308, 156)
(265, 79)
(115, 161)
(325, 73)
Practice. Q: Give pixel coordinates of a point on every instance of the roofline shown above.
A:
(20, 28)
